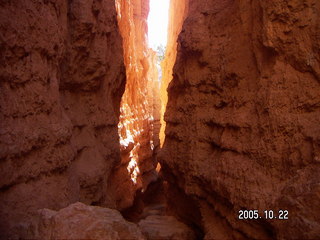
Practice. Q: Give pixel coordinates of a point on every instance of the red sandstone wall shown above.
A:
(61, 79)
(137, 167)
(178, 10)
(243, 118)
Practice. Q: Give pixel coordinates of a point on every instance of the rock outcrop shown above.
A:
(62, 76)
(79, 221)
(243, 119)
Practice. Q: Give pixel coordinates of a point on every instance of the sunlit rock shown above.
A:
(177, 12)
(136, 125)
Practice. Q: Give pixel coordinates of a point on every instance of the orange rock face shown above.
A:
(243, 119)
(136, 119)
(177, 12)
(61, 78)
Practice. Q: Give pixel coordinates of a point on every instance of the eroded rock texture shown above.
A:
(137, 166)
(243, 118)
(177, 12)
(61, 79)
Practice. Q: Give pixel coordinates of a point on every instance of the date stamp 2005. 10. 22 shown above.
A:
(266, 214)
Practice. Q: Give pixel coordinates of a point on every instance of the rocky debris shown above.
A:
(153, 209)
(149, 202)
(165, 227)
(243, 118)
(79, 221)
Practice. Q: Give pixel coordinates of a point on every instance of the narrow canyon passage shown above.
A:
(138, 107)
(149, 72)
(109, 130)
(149, 62)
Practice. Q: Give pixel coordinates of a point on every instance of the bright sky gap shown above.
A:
(158, 23)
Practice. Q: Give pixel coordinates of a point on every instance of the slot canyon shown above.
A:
(102, 138)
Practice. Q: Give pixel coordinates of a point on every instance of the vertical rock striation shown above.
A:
(243, 118)
(177, 12)
(137, 167)
(61, 78)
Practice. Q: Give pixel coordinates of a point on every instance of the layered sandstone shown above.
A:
(243, 118)
(137, 167)
(62, 77)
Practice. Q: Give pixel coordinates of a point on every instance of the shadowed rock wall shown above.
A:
(243, 118)
(61, 78)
